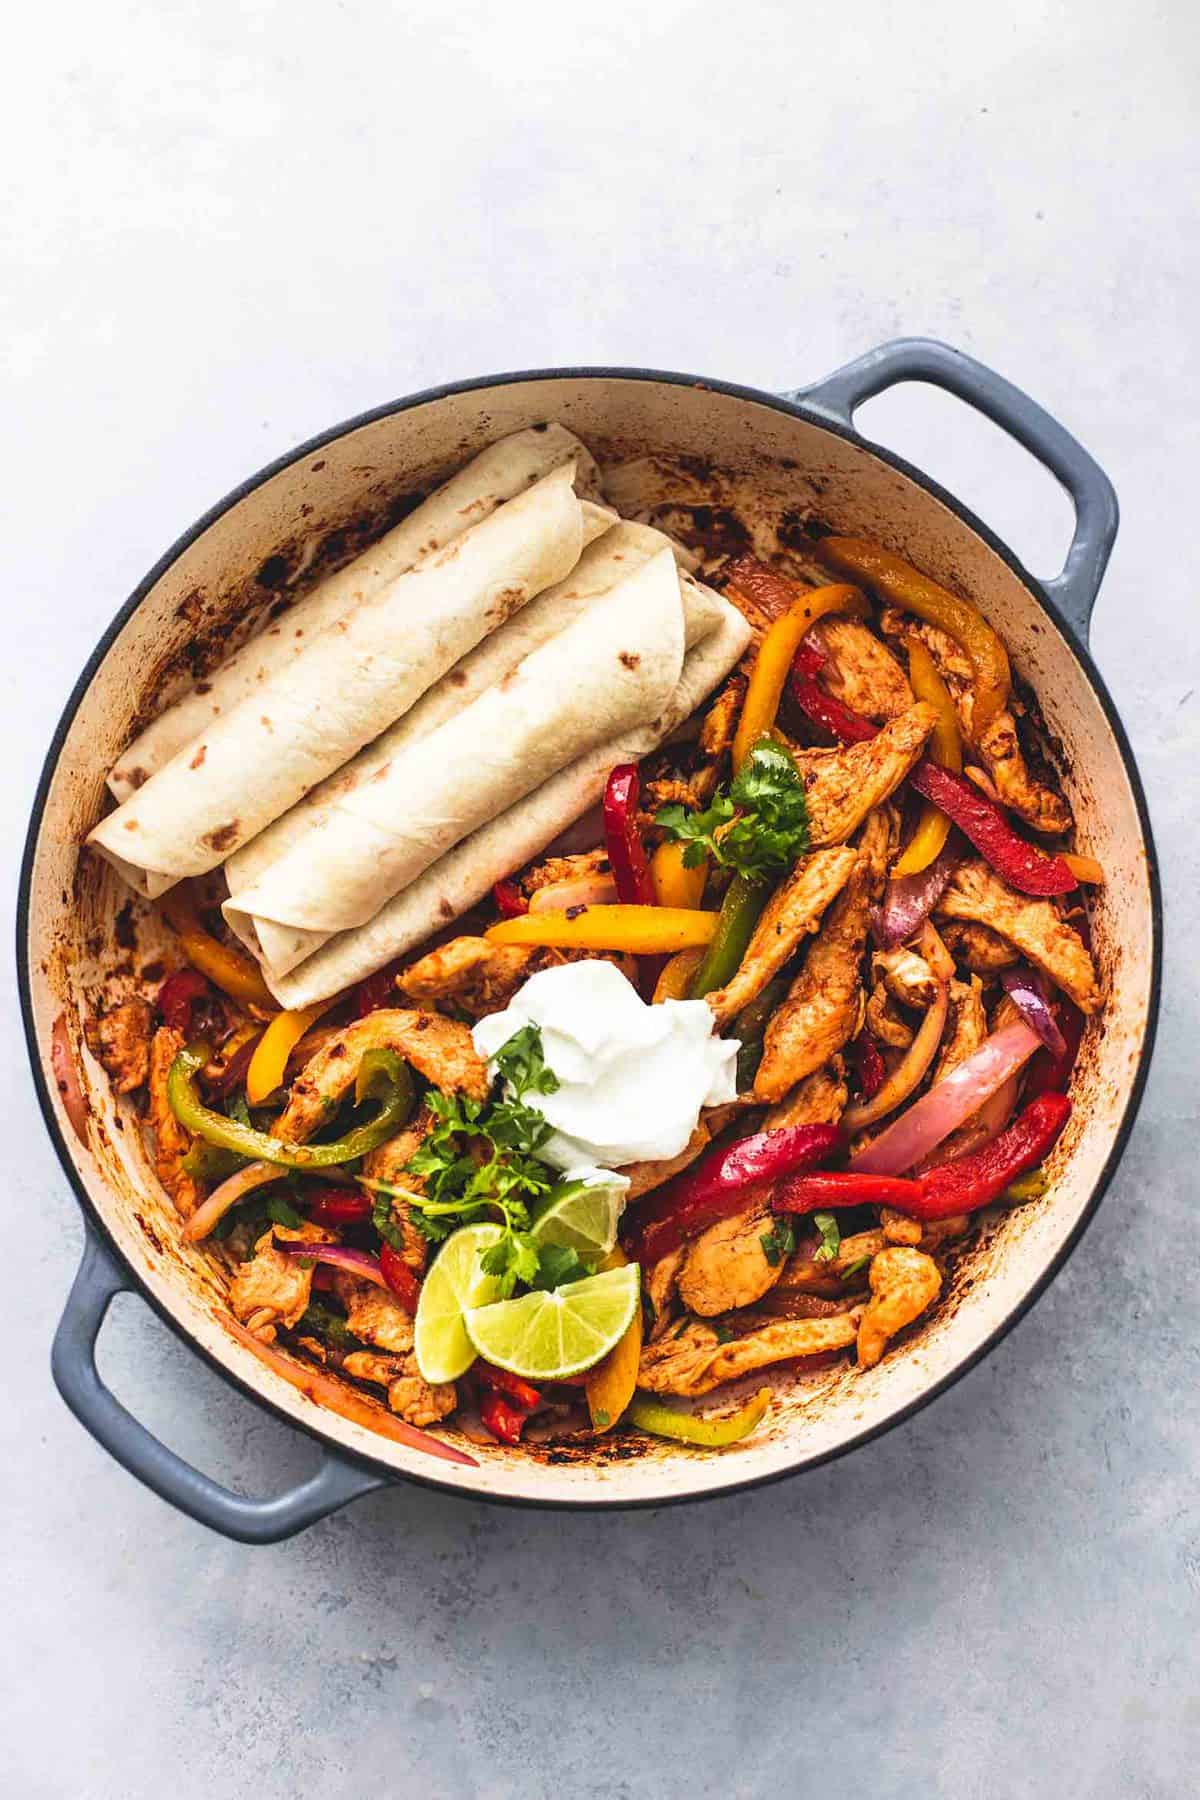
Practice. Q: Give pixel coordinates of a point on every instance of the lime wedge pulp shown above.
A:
(582, 1216)
(549, 1336)
(454, 1284)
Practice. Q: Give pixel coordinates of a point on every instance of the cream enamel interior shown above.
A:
(659, 442)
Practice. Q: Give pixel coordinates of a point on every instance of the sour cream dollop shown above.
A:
(631, 1077)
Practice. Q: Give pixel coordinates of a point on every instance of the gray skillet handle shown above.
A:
(1073, 591)
(73, 1363)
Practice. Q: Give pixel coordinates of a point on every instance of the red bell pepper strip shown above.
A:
(522, 1392)
(376, 992)
(402, 1280)
(510, 901)
(338, 1206)
(1047, 1073)
(178, 995)
(499, 1416)
(623, 841)
(1021, 864)
(716, 1186)
(831, 1188)
(962, 1186)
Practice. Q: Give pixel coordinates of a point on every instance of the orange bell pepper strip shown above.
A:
(675, 885)
(270, 1059)
(945, 748)
(775, 656)
(640, 930)
(611, 1385)
(906, 587)
(1085, 869)
(227, 969)
(676, 978)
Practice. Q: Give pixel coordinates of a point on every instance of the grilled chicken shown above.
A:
(373, 1314)
(727, 1266)
(820, 1099)
(806, 1273)
(967, 1028)
(998, 745)
(439, 1049)
(171, 1141)
(823, 1009)
(903, 1283)
(860, 671)
(658, 1284)
(978, 948)
(694, 1360)
(906, 976)
(793, 911)
(644, 1177)
(884, 1022)
(553, 869)
(720, 721)
(390, 1163)
(272, 1288)
(120, 1042)
(408, 1393)
(843, 786)
(1032, 926)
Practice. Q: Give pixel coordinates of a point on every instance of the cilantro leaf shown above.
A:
(779, 1242)
(282, 1212)
(758, 828)
(557, 1265)
(383, 1218)
(521, 1062)
(321, 1322)
(856, 1268)
(831, 1237)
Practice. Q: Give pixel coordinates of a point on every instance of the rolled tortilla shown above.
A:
(499, 473)
(613, 668)
(716, 635)
(281, 946)
(362, 673)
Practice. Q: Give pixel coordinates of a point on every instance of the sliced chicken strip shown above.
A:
(390, 1163)
(373, 1314)
(843, 786)
(820, 1099)
(1033, 926)
(170, 1140)
(439, 1049)
(824, 1007)
(409, 1394)
(794, 910)
(903, 1283)
(967, 1030)
(981, 950)
(998, 745)
(694, 1361)
(726, 1266)
(861, 672)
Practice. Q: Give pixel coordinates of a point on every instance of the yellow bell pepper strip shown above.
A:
(233, 973)
(774, 660)
(906, 587)
(611, 1385)
(276, 1044)
(734, 926)
(675, 885)
(676, 978)
(686, 1428)
(945, 748)
(640, 930)
(381, 1076)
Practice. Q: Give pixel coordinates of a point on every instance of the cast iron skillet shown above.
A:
(829, 404)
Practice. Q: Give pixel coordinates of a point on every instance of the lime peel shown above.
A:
(550, 1336)
(453, 1285)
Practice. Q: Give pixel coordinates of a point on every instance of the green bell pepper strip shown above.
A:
(381, 1076)
(743, 903)
(750, 1027)
(206, 1162)
(685, 1428)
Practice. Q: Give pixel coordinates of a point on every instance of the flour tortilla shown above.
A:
(350, 683)
(611, 670)
(499, 473)
(716, 637)
(280, 944)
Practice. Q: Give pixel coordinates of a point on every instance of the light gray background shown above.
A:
(227, 226)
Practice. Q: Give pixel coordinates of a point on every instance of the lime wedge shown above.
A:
(582, 1216)
(548, 1336)
(454, 1284)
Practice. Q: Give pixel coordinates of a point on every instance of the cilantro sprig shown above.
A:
(757, 826)
(480, 1163)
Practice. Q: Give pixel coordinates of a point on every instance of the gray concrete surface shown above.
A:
(226, 226)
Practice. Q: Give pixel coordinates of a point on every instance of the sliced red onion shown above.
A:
(210, 1212)
(355, 1262)
(1027, 992)
(909, 1072)
(908, 900)
(948, 1103)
